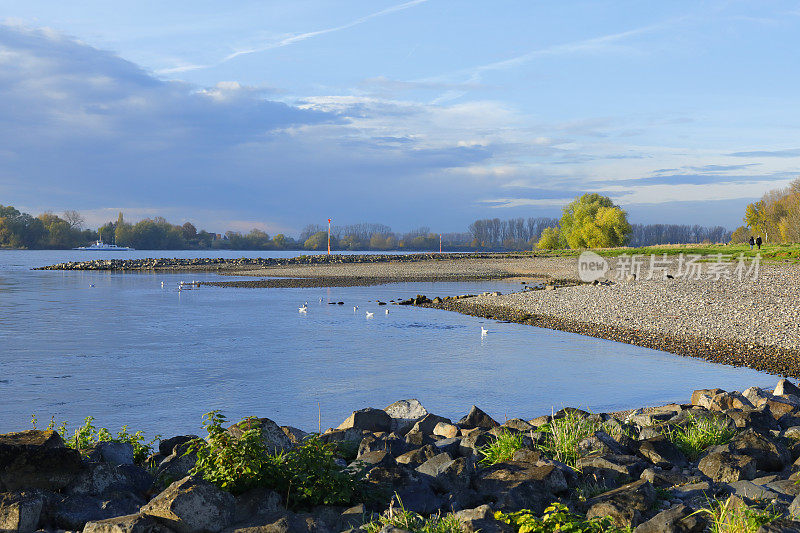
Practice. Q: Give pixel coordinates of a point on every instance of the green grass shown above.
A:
(699, 434)
(562, 436)
(728, 518)
(414, 522)
(771, 252)
(502, 448)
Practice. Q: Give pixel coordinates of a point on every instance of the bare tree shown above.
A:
(74, 219)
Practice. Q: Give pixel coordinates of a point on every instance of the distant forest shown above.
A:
(50, 231)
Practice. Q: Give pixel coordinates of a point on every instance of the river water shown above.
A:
(123, 349)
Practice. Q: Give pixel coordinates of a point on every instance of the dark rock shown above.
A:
(626, 505)
(757, 419)
(728, 467)
(376, 458)
(36, 459)
(694, 491)
(750, 491)
(517, 424)
(662, 452)
(469, 445)
(73, 512)
(166, 446)
(390, 443)
(770, 456)
(782, 525)
(786, 387)
(272, 435)
(481, 519)
(612, 467)
(132, 523)
(192, 505)
(664, 478)
(294, 434)
(426, 424)
(99, 478)
(601, 443)
(257, 502)
(476, 418)
(177, 465)
(416, 457)
(368, 419)
(416, 438)
(20, 511)
(115, 453)
(514, 486)
(566, 411)
(451, 446)
(677, 519)
(527, 455)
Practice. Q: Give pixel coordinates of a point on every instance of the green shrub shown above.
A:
(557, 517)
(699, 434)
(87, 435)
(305, 476)
(502, 448)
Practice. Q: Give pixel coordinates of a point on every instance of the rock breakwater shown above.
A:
(642, 468)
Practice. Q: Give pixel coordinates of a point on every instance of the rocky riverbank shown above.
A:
(644, 469)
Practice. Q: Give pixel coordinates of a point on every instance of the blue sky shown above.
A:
(426, 112)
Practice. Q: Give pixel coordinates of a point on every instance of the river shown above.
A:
(119, 347)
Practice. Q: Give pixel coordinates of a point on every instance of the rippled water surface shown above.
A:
(124, 350)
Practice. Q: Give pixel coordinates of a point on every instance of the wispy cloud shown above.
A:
(296, 38)
(795, 152)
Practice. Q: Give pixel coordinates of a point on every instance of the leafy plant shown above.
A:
(307, 475)
(502, 448)
(557, 517)
(414, 522)
(699, 434)
(727, 517)
(87, 436)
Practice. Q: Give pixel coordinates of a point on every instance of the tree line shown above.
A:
(775, 217)
(65, 231)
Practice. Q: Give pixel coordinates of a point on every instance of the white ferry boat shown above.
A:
(100, 246)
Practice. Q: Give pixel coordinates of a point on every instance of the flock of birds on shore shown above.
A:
(303, 310)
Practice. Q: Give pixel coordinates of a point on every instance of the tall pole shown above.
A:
(329, 236)
(440, 243)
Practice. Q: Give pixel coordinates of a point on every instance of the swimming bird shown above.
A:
(320, 300)
(162, 284)
(370, 315)
(387, 311)
(303, 308)
(484, 331)
(91, 285)
(355, 308)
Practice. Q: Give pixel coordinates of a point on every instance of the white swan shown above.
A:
(370, 315)
(355, 308)
(387, 311)
(484, 331)
(303, 308)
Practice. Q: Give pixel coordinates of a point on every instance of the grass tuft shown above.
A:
(414, 522)
(502, 448)
(699, 434)
(562, 436)
(728, 517)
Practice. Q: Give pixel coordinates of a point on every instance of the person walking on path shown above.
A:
(752, 242)
(758, 242)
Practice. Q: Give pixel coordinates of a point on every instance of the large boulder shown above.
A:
(770, 456)
(727, 467)
(416, 457)
(404, 414)
(116, 453)
(73, 512)
(626, 505)
(98, 478)
(272, 435)
(369, 419)
(192, 505)
(20, 511)
(476, 418)
(612, 468)
(426, 424)
(132, 523)
(167, 446)
(481, 519)
(513, 486)
(662, 452)
(36, 459)
(677, 519)
(786, 388)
